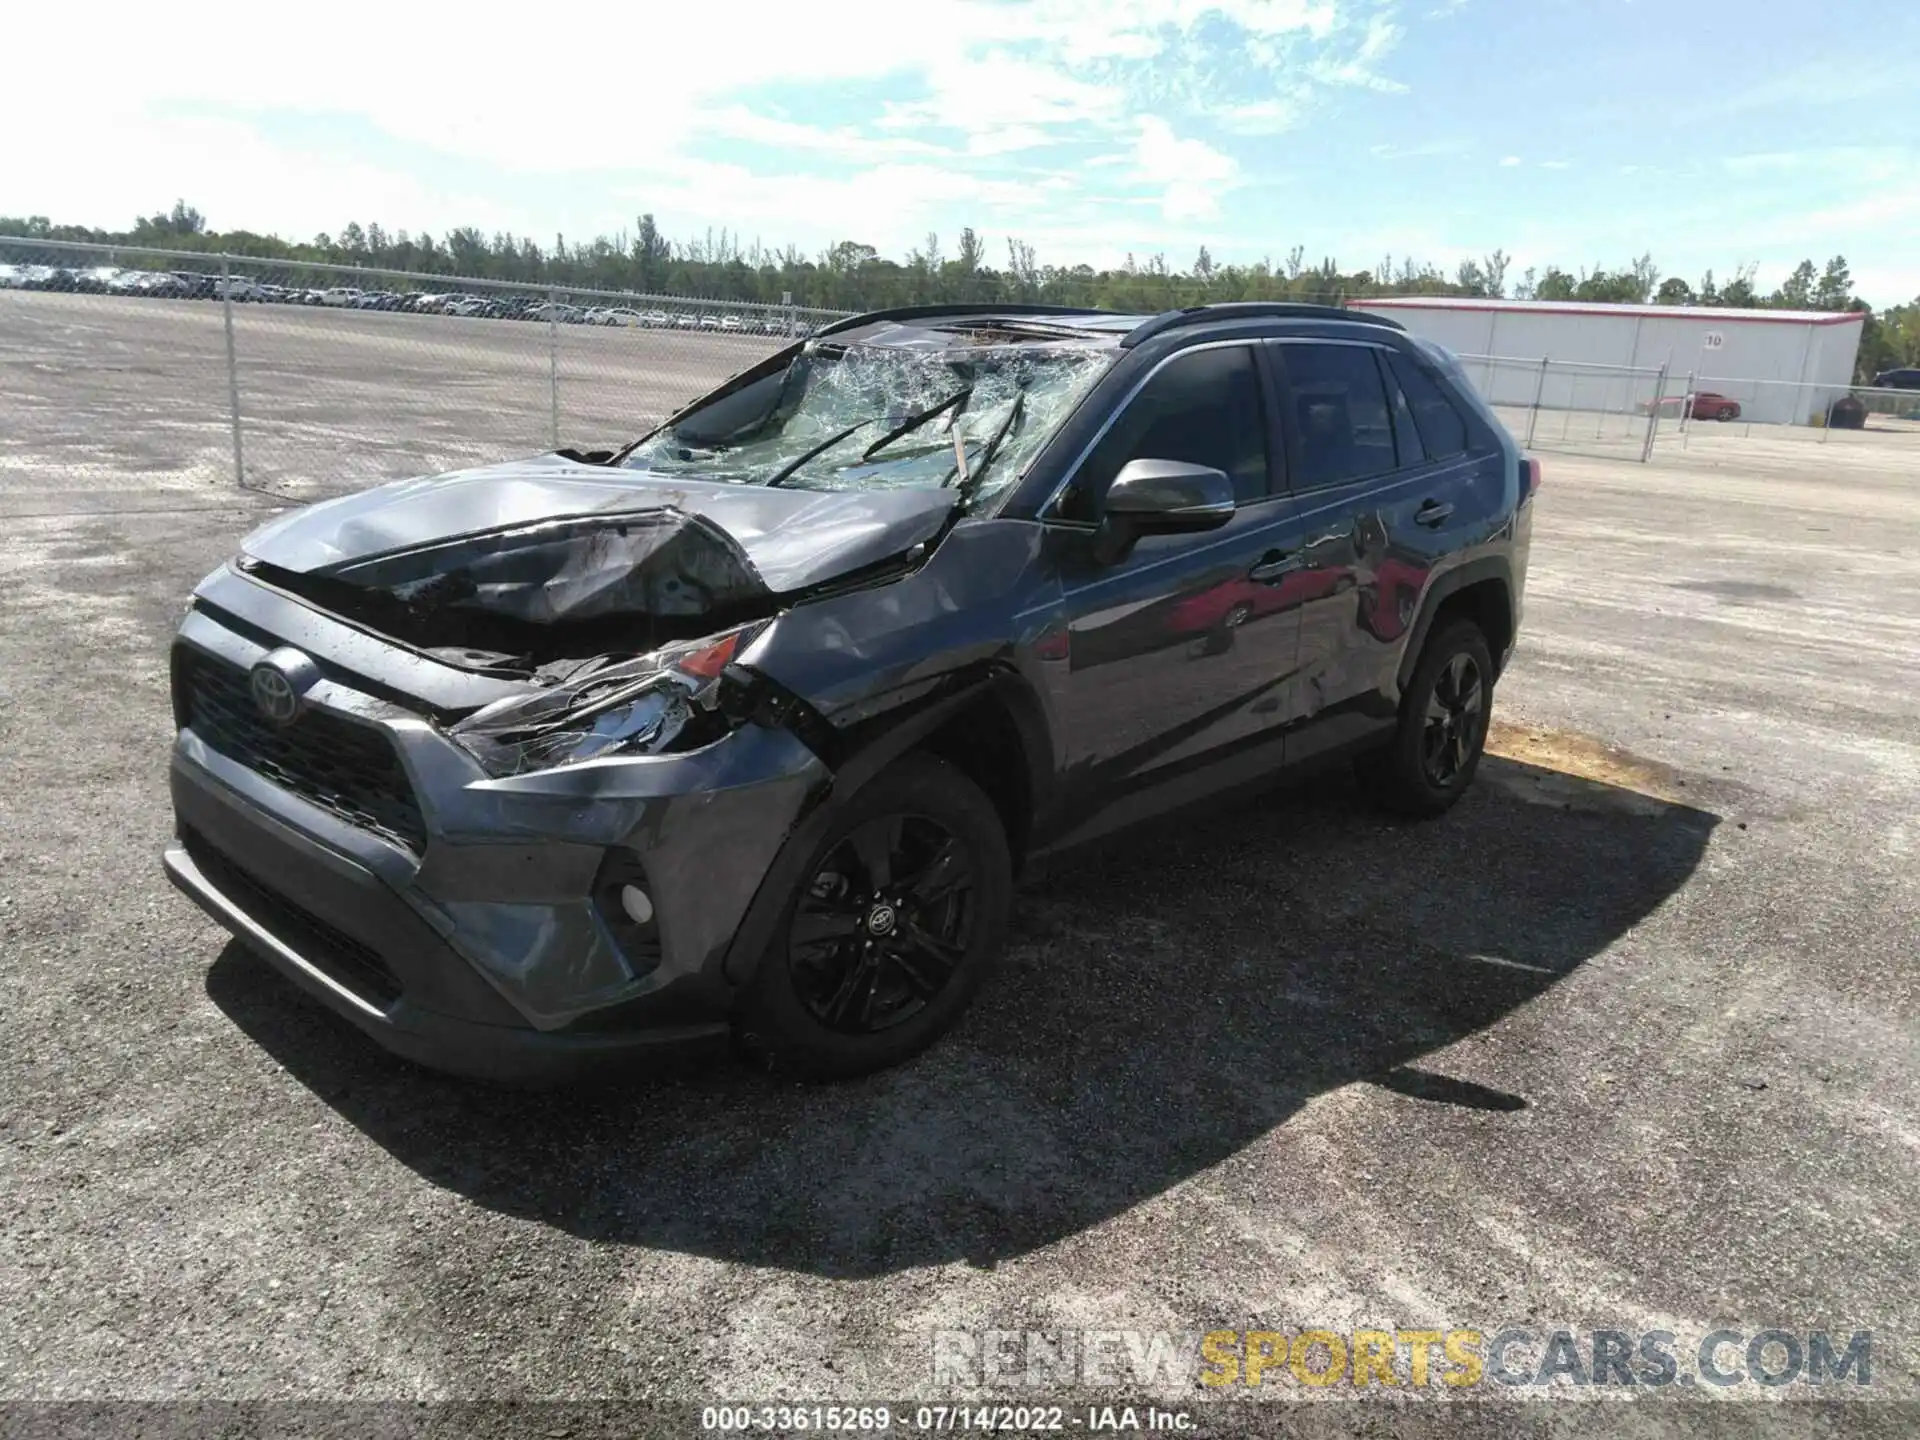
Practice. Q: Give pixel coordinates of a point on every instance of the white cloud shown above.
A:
(1192, 171)
(1004, 102)
(1262, 117)
(1507, 162)
(438, 125)
(737, 122)
(1359, 68)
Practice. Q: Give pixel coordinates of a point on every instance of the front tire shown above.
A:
(1442, 731)
(899, 916)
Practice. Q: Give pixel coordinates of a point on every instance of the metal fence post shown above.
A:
(233, 371)
(1653, 416)
(1539, 389)
(553, 364)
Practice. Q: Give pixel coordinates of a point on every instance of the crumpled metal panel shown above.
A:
(790, 539)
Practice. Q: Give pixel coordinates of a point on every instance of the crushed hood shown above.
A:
(548, 539)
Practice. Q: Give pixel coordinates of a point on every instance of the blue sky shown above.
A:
(1577, 132)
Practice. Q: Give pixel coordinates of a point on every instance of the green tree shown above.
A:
(1797, 292)
(1836, 286)
(1556, 284)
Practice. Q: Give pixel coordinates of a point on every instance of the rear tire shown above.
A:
(1442, 730)
(899, 916)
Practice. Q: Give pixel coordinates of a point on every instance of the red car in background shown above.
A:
(1700, 405)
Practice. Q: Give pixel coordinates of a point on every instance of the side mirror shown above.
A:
(1160, 497)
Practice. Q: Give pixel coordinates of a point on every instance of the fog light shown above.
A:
(634, 901)
(623, 899)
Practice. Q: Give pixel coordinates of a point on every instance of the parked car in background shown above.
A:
(1906, 377)
(1700, 405)
(746, 728)
(340, 295)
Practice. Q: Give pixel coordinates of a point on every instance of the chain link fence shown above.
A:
(1617, 412)
(1606, 410)
(1714, 410)
(130, 368)
(147, 371)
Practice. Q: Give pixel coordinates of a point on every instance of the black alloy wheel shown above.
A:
(1445, 711)
(1456, 720)
(893, 920)
(883, 924)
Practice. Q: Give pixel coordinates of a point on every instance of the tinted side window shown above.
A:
(1202, 407)
(1443, 430)
(1340, 413)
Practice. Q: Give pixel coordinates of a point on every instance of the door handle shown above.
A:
(1432, 513)
(1273, 565)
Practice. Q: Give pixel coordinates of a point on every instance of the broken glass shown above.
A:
(913, 408)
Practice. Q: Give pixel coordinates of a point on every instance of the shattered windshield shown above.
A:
(858, 416)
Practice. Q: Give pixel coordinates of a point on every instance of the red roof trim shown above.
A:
(1532, 307)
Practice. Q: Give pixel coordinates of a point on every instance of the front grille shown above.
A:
(348, 770)
(358, 967)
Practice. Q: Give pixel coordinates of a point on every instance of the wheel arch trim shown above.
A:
(1449, 583)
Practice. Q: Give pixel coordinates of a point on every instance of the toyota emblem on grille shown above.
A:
(278, 683)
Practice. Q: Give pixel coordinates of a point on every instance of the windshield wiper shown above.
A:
(970, 479)
(914, 422)
(787, 471)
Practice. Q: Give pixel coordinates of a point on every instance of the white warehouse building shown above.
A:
(1783, 366)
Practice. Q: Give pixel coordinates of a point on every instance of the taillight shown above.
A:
(1530, 472)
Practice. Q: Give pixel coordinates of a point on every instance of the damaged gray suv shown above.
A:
(745, 730)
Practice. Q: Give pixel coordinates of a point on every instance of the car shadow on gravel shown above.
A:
(1166, 1002)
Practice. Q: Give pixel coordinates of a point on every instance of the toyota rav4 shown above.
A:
(746, 729)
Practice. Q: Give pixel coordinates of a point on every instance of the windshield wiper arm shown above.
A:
(914, 422)
(972, 477)
(787, 471)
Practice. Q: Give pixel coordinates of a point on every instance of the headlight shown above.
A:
(634, 707)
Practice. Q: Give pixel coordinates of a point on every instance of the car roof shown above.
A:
(1031, 323)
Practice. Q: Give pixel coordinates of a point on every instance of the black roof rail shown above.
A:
(1250, 310)
(922, 312)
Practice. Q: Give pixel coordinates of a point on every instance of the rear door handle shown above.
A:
(1273, 565)
(1432, 513)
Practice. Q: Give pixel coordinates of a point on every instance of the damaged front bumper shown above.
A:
(484, 926)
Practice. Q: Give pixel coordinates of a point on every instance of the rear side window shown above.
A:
(1443, 430)
(1202, 407)
(1339, 412)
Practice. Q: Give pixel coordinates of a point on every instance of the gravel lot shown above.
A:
(1627, 1041)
